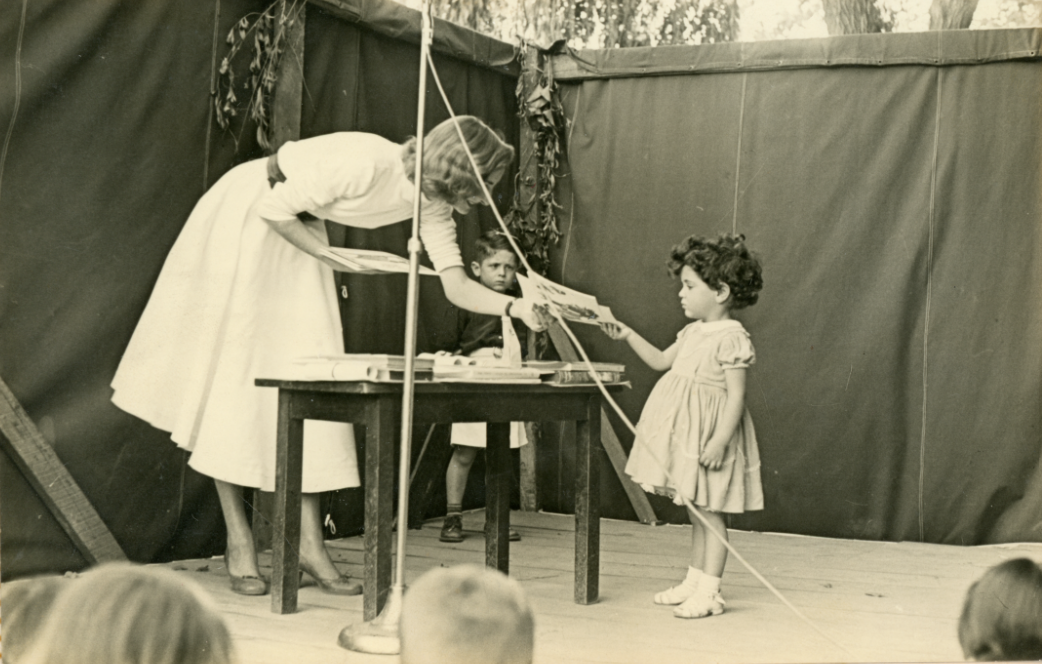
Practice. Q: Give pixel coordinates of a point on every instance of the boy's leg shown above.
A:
(455, 485)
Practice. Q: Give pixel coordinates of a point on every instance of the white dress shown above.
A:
(235, 301)
(680, 417)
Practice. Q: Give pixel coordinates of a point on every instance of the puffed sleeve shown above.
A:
(735, 350)
(318, 171)
(438, 234)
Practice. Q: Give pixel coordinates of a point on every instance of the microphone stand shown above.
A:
(380, 635)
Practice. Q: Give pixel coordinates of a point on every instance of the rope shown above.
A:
(687, 503)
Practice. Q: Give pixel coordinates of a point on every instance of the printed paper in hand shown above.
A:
(364, 260)
(571, 304)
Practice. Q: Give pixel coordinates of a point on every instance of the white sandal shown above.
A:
(678, 594)
(700, 605)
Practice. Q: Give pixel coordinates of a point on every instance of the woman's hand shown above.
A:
(534, 316)
(615, 330)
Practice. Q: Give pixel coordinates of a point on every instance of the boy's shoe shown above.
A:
(452, 530)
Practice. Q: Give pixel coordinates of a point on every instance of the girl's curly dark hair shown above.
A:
(725, 260)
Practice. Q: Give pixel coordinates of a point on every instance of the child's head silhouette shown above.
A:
(466, 614)
(1002, 616)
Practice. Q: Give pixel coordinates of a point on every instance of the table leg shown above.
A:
(587, 505)
(497, 496)
(379, 503)
(285, 549)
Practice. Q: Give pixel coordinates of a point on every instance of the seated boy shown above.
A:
(466, 615)
(480, 335)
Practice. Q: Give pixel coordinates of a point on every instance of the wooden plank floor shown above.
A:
(882, 602)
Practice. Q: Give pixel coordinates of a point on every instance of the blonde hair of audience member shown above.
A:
(25, 605)
(1002, 616)
(466, 615)
(121, 613)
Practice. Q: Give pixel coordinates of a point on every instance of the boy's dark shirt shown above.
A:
(475, 331)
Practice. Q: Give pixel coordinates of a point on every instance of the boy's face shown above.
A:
(497, 271)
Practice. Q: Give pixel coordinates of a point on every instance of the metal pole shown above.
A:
(381, 635)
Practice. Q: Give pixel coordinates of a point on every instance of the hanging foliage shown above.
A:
(266, 34)
(540, 109)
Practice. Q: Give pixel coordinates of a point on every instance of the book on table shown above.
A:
(464, 369)
(574, 373)
(358, 366)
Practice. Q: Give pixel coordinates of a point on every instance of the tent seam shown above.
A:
(17, 88)
(926, 314)
(738, 155)
(571, 188)
(213, 93)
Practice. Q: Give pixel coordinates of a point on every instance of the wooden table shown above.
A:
(377, 406)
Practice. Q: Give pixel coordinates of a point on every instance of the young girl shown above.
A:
(695, 439)
(1002, 615)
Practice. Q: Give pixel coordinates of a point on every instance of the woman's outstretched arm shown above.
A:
(468, 294)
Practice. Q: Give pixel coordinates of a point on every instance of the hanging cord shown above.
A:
(687, 503)
(17, 89)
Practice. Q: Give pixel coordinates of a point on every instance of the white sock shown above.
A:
(692, 579)
(709, 584)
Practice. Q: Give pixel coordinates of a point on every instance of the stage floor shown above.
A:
(883, 602)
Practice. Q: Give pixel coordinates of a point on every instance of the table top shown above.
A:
(431, 387)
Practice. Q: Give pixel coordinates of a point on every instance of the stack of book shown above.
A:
(358, 366)
(578, 373)
(461, 369)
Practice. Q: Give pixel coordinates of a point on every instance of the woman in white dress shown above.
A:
(245, 290)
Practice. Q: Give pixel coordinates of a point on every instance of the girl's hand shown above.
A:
(615, 330)
(534, 316)
(712, 457)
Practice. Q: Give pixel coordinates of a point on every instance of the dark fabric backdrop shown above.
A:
(112, 146)
(896, 209)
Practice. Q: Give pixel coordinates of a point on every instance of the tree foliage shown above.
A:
(596, 23)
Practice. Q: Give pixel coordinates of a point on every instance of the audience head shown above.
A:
(1002, 616)
(119, 613)
(25, 605)
(466, 615)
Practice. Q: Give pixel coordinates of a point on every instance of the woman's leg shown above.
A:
(313, 553)
(241, 554)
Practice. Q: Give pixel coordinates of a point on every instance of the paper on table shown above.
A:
(365, 260)
(572, 304)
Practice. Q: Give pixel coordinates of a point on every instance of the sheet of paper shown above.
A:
(365, 260)
(571, 304)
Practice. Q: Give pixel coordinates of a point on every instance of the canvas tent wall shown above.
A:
(112, 145)
(891, 184)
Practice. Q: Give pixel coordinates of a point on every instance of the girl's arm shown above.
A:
(712, 456)
(659, 360)
(468, 294)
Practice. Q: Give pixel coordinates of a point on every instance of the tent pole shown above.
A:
(380, 636)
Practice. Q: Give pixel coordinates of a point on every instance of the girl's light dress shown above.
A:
(235, 301)
(680, 416)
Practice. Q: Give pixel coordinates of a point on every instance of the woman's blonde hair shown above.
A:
(447, 173)
(119, 613)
